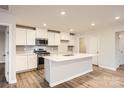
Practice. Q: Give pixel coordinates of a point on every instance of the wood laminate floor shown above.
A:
(99, 78)
(2, 72)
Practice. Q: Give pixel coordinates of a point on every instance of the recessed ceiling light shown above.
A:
(71, 29)
(92, 24)
(63, 13)
(117, 17)
(44, 25)
(120, 36)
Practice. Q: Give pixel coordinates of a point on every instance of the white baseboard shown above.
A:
(52, 84)
(109, 68)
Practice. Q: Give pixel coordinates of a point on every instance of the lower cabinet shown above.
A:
(21, 62)
(26, 62)
(32, 61)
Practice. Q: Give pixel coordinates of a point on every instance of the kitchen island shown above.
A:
(61, 68)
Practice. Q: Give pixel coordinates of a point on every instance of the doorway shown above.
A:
(90, 45)
(4, 53)
(119, 48)
(82, 45)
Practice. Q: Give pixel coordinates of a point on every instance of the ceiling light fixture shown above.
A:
(63, 13)
(92, 24)
(44, 25)
(71, 30)
(117, 17)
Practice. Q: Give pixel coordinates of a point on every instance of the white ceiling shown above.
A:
(78, 17)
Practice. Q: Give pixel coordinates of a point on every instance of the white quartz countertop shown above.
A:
(65, 58)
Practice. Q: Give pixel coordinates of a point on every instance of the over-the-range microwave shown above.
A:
(41, 42)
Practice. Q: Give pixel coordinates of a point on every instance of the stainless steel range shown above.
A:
(40, 60)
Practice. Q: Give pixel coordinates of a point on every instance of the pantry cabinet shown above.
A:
(26, 62)
(53, 39)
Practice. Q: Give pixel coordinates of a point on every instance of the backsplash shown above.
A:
(61, 49)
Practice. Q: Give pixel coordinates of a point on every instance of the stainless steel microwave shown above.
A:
(41, 42)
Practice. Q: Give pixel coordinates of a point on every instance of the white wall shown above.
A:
(2, 46)
(120, 47)
(107, 53)
(8, 19)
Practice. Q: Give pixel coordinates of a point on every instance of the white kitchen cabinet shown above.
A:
(32, 61)
(65, 36)
(57, 39)
(25, 36)
(26, 62)
(53, 39)
(72, 40)
(41, 33)
(21, 62)
(30, 37)
(20, 36)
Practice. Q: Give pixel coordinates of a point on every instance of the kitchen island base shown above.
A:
(57, 72)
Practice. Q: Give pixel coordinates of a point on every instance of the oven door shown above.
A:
(40, 60)
(40, 63)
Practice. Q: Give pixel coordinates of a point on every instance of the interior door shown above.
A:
(121, 48)
(93, 49)
(7, 53)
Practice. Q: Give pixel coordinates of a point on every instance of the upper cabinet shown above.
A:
(53, 39)
(41, 33)
(65, 36)
(20, 36)
(25, 36)
(72, 40)
(57, 39)
(31, 37)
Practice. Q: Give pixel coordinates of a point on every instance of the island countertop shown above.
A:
(58, 58)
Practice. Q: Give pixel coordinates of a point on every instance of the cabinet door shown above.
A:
(32, 61)
(20, 36)
(41, 33)
(67, 36)
(57, 39)
(51, 38)
(72, 40)
(21, 62)
(64, 36)
(30, 37)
